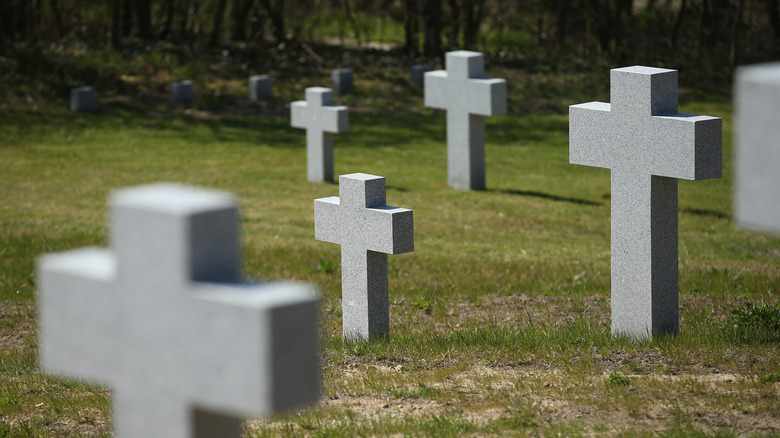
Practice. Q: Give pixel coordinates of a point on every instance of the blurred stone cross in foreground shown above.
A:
(757, 151)
(467, 97)
(321, 120)
(367, 231)
(647, 144)
(164, 319)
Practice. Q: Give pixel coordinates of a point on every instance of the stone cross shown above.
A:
(468, 98)
(321, 120)
(164, 319)
(260, 87)
(367, 231)
(757, 151)
(647, 145)
(342, 80)
(83, 99)
(182, 91)
(417, 74)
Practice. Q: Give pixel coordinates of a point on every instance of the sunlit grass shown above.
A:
(499, 319)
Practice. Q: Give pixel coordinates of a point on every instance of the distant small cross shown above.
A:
(165, 320)
(367, 231)
(648, 145)
(321, 120)
(467, 97)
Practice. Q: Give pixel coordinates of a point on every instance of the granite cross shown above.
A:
(260, 87)
(182, 91)
(165, 320)
(342, 80)
(83, 99)
(367, 231)
(468, 98)
(757, 151)
(320, 119)
(647, 144)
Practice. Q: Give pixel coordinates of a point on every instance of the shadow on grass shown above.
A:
(704, 212)
(543, 195)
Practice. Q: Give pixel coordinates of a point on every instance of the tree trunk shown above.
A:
(352, 21)
(116, 25)
(55, 10)
(433, 27)
(735, 34)
(678, 23)
(454, 33)
(410, 27)
(166, 30)
(143, 12)
(773, 10)
(276, 14)
(239, 14)
(216, 28)
(561, 18)
(127, 17)
(472, 19)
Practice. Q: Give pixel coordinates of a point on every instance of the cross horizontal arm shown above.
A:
(333, 119)
(436, 89)
(74, 338)
(590, 143)
(298, 114)
(327, 223)
(269, 332)
(675, 145)
(688, 147)
(389, 230)
(487, 97)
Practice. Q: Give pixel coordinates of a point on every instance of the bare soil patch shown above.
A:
(17, 324)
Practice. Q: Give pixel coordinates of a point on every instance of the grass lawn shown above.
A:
(499, 319)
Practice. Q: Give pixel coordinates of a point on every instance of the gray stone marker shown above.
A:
(260, 87)
(647, 144)
(468, 98)
(757, 151)
(321, 120)
(165, 320)
(342, 80)
(418, 74)
(182, 91)
(367, 231)
(83, 99)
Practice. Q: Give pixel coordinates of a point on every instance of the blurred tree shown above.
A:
(432, 13)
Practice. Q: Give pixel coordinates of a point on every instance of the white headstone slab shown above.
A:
(757, 151)
(418, 74)
(321, 120)
(648, 145)
(164, 319)
(83, 99)
(342, 80)
(367, 231)
(468, 98)
(260, 87)
(182, 91)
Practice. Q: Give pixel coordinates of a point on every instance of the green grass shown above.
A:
(499, 319)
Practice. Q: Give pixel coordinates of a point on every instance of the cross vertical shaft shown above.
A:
(365, 293)
(319, 155)
(465, 150)
(644, 254)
